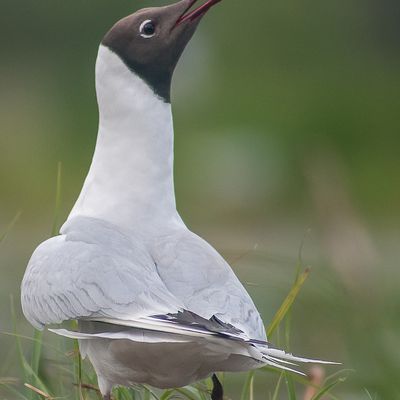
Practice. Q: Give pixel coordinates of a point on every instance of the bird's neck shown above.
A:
(130, 182)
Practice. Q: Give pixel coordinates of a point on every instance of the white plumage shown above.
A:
(155, 303)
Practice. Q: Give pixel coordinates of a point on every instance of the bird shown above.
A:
(154, 303)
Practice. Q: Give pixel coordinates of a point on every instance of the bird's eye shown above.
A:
(147, 29)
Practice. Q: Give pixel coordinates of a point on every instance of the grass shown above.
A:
(70, 377)
(66, 376)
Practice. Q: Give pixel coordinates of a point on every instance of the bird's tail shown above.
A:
(278, 358)
(220, 340)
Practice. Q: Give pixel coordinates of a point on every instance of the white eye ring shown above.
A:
(142, 25)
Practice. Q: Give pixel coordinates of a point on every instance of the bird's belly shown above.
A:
(162, 365)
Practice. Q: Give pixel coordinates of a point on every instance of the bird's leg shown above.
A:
(217, 392)
(107, 396)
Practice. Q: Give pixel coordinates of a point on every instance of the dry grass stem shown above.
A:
(38, 391)
(88, 386)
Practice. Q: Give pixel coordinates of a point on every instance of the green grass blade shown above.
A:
(251, 388)
(167, 394)
(149, 393)
(290, 386)
(16, 335)
(15, 392)
(368, 394)
(78, 369)
(288, 325)
(54, 229)
(28, 372)
(277, 387)
(287, 303)
(122, 393)
(37, 347)
(18, 344)
(39, 383)
(247, 386)
(146, 394)
(202, 395)
(347, 371)
(203, 389)
(300, 262)
(327, 388)
(187, 393)
(36, 351)
(10, 226)
(8, 380)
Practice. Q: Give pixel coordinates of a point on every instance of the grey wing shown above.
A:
(92, 271)
(199, 276)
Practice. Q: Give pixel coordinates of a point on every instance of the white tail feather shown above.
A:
(281, 355)
(271, 363)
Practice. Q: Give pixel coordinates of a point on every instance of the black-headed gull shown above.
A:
(155, 303)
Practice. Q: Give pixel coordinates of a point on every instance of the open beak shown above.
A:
(196, 13)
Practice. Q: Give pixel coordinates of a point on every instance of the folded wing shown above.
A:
(199, 276)
(93, 270)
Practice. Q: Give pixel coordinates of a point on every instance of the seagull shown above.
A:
(155, 303)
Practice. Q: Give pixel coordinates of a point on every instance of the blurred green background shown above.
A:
(287, 122)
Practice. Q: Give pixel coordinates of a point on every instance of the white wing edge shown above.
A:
(137, 336)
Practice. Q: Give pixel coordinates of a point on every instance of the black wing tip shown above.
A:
(189, 318)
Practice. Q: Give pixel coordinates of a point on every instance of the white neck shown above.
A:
(130, 182)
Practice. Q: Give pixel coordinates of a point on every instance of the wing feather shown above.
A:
(199, 276)
(93, 270)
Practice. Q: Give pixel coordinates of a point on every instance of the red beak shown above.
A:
(196, 13)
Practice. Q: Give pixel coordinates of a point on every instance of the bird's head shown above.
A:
(151, 41)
